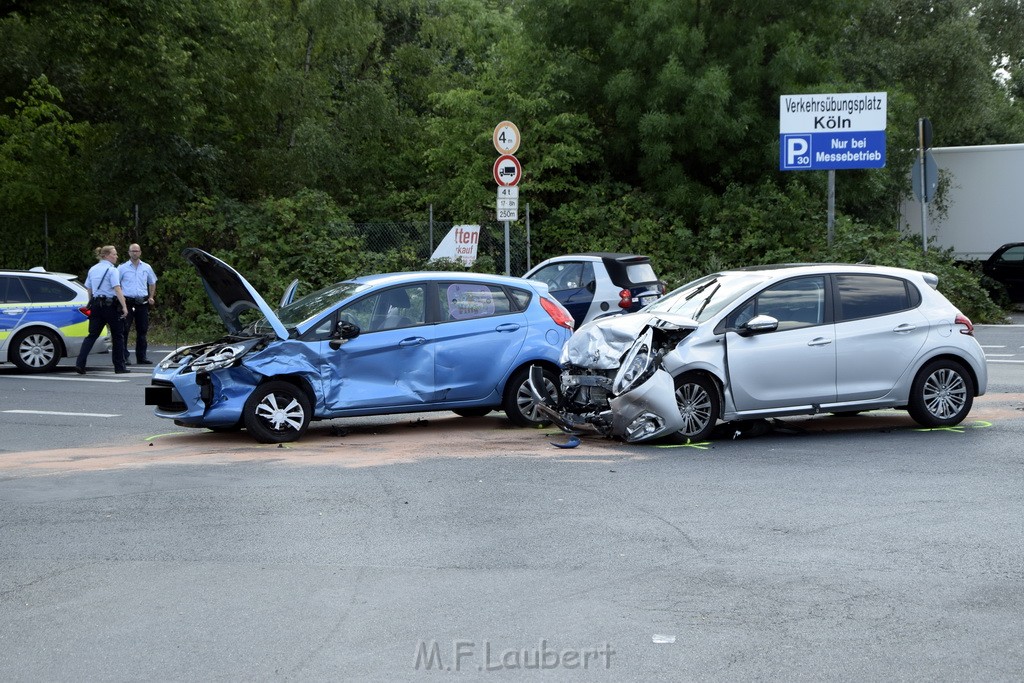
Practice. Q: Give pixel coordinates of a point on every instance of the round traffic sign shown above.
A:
(507, 171)
(506, 138)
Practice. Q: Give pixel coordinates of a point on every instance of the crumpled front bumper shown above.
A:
(201, 399)
(647, 412)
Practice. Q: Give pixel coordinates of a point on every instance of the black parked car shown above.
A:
(1006, 266)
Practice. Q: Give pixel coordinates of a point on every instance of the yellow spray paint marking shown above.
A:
(703, 445)
(958, 429)
(160, 436)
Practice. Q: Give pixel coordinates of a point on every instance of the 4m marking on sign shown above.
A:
(506, 138)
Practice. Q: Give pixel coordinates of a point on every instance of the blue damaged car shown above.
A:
(379, 344)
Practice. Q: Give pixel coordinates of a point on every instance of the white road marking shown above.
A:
(66, 379)
(54, 412)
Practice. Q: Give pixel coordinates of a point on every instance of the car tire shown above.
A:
(699, 404)
(276, 412)
(35, 350)
(518, 404)
(472, 412)
(942, 394)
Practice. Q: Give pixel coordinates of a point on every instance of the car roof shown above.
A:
(37, 271)
(384, 279)
(820, 268)
(601, 256)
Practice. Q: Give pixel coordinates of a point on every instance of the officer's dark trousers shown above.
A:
(138, 313)
(105, 314)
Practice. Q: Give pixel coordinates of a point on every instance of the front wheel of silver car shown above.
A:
(519, 405)
(942, 394)
(699, 406)
(35, 350)
(276, 412)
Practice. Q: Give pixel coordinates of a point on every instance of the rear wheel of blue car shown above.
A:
(699, 406)
(518, 404)
(942, 394)
(276, 412)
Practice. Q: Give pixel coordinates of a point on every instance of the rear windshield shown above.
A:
(636, 270)
(641, 272)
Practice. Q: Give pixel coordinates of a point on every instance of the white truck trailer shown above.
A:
(983, 187)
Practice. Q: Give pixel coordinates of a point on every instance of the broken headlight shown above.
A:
(221, 356)
(636, 366)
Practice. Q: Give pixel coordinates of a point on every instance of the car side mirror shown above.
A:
(758, 325)
(343, 332)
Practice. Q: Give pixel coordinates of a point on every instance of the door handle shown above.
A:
(904, 328)
(507, 327)
(13, 311)
(819, 341)
(411, 341)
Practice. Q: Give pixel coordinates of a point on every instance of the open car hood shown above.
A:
(230, 293)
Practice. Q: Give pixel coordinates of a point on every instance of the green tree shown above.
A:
(40, 179)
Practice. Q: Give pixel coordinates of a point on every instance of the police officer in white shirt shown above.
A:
(138, 282)
(108, 308)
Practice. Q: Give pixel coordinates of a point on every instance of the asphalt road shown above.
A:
(397, 548)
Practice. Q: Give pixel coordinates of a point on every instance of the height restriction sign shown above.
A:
(506, 138)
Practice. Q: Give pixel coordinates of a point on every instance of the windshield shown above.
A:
(313, 305)
(703, 298)
(308, 307)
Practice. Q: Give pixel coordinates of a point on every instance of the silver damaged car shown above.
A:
(771, 341)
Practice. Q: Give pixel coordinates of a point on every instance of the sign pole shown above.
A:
(924, 185)
(507, 173)
(831, 205)
(529, 264)
(507, 270)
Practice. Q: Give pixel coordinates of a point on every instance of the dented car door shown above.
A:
(391, 362)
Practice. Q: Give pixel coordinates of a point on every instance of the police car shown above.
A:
(596, 284)
(43, 318)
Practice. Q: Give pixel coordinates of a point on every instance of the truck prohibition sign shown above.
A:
(507, 171)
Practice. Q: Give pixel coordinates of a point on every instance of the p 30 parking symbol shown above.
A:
(795, 152)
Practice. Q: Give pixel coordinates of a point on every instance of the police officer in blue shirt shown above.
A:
(138, 282)
(108, 308)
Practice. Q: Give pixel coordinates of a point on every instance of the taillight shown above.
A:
(625, 298)
(558, 313)
(966, 322)
(84, 310)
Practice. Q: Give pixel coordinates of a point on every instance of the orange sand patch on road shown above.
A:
(323, 444)
(394, 440)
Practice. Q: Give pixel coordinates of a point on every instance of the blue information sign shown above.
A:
(832, 131)
(831, 150)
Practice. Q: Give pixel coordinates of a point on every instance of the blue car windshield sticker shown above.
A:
(469, 301)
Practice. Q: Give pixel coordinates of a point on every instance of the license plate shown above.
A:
(644, 300)
(158, 396)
